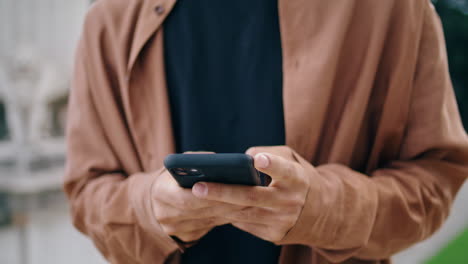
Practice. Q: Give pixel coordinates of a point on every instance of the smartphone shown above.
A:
(229, 168)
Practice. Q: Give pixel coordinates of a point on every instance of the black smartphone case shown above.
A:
(223, 168)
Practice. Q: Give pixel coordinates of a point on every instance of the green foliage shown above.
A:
(455, 21)
(456, 252)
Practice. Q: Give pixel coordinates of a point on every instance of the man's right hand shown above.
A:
(182, 214)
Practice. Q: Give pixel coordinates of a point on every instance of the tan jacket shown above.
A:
(367, 100)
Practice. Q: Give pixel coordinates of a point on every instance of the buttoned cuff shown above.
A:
(307, 220)
(141, 186)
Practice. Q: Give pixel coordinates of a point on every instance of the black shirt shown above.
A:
(224, 74)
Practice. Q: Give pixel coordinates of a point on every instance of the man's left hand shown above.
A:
(270, 212)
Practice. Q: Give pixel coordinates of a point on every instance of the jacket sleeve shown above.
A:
(113, 208)
(348, 214)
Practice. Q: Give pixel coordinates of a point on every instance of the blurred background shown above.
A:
(37, 41)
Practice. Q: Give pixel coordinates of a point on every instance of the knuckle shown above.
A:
(251, 214)
(289, 223)
(252, 196)
(192, 236)
(285, 221)
(267, 236)
(238, 215)
(161, 215)
(273, 236)
(170, 230)
(285, 148)
(277, 236)
(163, 219)
(207, 222)
(221, 221)
(290, 169)
(177, 214)
(198, 234)
(291, 152)
(302, 178)
(155, 189)
(297, 209)
(252, 151)
(233, 216)
(186, 237)
(171, 217)
(294, 201)
(245, 214)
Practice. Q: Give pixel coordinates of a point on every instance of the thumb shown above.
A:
(278, 168)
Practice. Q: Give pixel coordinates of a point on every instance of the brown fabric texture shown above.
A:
(369, 112)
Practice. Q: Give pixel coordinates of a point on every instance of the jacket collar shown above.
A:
(153, 14)
(296, 43)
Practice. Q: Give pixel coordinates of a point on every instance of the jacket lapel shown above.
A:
(311, 42)
(150, 19)
(145, 94)
(310, 45)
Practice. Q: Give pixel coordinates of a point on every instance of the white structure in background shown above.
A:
(51, 26)
(30, 85)
(37, 40)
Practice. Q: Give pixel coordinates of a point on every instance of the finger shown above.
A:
(215, 211)
(236, 194)
(191, 237)
(253, 215)
(279, 220)
(170, 213)
(188, 226)
(258, 230)
(169, 192)
(255, 150)
(188, 201)
(278, 168)
(182, 198)
(282, 151)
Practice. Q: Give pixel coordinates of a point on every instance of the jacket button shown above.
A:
(159, 9)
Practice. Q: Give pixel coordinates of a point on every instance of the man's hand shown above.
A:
(270, 212)
(182, 214)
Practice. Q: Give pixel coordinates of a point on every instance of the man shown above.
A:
(357, 92)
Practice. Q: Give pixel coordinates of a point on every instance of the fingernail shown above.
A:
(200, 189)
(262, 161)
